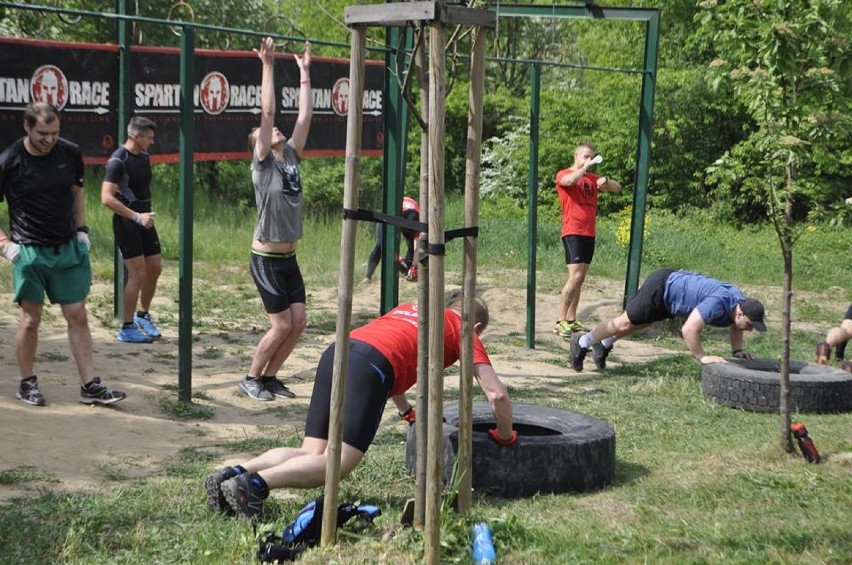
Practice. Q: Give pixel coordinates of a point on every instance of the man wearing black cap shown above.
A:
(666, 294)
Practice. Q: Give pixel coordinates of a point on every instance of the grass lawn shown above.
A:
(695, 482)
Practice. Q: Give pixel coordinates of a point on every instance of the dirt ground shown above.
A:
(77, 446)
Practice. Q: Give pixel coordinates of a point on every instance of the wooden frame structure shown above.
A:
(438, 16)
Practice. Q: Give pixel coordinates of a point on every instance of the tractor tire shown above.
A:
(557, 451)
(755, 385)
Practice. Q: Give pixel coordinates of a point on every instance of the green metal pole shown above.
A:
(532, 190)
(395, 134)
(125, 88)
(187, 146)
(643, 156)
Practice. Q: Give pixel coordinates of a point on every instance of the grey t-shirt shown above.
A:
(278, 194)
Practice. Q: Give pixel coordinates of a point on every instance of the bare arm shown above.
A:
(108, 199)
(497, 396)
(691, 335)
(267, 99)
(79, 205)
(306, 101)
(401, 402)
(606, 184)
(569, 179)
(737, 343)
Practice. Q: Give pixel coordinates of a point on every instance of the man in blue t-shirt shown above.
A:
(666, 294)
(41, 178)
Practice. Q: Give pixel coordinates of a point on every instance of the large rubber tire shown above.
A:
(557, 451)
(755, 385)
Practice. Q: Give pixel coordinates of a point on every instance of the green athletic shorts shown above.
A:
(63, 272)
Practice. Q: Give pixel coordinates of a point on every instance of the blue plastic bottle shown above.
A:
(483, 545)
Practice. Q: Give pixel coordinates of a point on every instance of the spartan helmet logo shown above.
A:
(215, 93)
(49, 84)
(340, 97)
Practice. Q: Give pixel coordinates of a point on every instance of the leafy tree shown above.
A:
(788, 64)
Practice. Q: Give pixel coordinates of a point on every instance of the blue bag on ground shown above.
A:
(305, 530)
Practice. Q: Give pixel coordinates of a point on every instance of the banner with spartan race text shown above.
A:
(82, 81)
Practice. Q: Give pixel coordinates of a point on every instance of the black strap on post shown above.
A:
(410, 225)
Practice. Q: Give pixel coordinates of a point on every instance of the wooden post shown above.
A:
(471, 218)
(423, 303)
(344, 296)
(437, 95)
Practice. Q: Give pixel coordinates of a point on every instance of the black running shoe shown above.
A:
(244, 496)
(576, 353)
(212, 484)
(277, 388)
(599, 354)
(29, 393)
(96, 393)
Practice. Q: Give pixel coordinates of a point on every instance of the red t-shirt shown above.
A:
(579, 204)
(395, 336)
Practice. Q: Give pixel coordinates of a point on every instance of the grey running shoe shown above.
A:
(146, 325)
(599, 354)
(277, 388)
(212, 484)
(576, 353)
(254, 388)
(96, 393)
(29, 393)
(244, 496)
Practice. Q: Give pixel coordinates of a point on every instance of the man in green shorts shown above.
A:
(41, 178)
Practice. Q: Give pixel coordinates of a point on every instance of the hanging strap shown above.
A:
(410, 225)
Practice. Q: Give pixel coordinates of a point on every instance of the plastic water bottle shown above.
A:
(806, 444)
(483, 545)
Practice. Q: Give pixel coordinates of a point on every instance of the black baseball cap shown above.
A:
(754, 310)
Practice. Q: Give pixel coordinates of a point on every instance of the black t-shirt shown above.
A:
(132, 174)
(39, 191)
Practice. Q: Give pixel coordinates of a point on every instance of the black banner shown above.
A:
(82, 80)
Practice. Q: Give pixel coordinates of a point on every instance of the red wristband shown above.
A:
(495, 435)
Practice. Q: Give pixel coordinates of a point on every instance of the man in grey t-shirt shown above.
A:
(278, 193)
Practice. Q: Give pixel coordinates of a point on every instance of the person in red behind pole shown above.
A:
(578, 190)
(408, 265)
(382, 365)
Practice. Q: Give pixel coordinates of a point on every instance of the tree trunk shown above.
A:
(787, 251)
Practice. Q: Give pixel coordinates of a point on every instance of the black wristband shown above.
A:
(735, 351)
(84, 229)
(407, 411)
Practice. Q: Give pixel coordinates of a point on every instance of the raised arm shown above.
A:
(266, 53)
(306, 101)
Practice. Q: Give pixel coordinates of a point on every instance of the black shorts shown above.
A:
(647, 306)
(133, 240)
(578, 249)
(278, 280)
(368, 385)
(848, 315)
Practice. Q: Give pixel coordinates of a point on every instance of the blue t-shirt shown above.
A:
(714, 299)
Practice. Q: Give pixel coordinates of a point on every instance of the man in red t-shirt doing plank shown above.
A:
(382, 365)
(578, 196)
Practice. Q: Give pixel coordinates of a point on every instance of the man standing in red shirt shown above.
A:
(578, 196)
(382, 365)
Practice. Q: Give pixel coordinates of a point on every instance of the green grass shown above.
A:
(695, 482)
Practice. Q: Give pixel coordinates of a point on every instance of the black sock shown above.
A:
(840, 351)
(127, 325)
(141, 314)
(31, 379)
